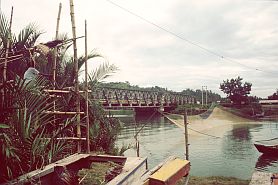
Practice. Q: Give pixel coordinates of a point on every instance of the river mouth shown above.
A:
(230, 154)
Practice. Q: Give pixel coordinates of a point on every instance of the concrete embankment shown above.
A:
(263, 178)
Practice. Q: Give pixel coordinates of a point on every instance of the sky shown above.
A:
(176, 44)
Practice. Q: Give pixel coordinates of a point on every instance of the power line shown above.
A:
(187, 40)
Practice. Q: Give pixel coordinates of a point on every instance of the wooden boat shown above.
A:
(167, 173)
(269, 147)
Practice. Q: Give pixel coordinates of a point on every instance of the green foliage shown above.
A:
(236, 90)
(26, 39)
(104, 131)
(211, 96)
(102, 72)
(128, 86)
(192, 109)
(27, 135)
(274, 96)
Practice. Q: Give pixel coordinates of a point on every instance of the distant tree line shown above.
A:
(211, 96)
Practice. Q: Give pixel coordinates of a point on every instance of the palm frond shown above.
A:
(4, 30)
(105, 70)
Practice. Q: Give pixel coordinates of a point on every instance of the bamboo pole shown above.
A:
(76, 73)
(11, 57)
(63, 113)
(11, 60)
(86, 90)
(3, 91)
(55, 50)
(186, 135)
(8, 47)
(54, 65)
(61, 91)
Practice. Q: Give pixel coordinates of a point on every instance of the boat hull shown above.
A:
(269, 150)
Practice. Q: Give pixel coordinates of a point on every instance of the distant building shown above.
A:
(268, 102)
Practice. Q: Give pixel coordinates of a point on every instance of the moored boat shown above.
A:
(269, 147)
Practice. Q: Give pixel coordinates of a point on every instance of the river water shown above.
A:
(232, 155)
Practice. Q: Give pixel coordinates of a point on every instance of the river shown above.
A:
(232, 155)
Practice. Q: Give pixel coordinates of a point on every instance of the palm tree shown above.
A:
(27, 133)
(26, 38)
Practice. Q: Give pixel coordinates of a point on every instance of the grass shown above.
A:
(214, 180)
(99, 173)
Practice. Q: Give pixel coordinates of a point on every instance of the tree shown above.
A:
(26, 38)
(274, 96)
(236, 90)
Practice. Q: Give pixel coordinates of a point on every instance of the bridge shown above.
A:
(120, 98)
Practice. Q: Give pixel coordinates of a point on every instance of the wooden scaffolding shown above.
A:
(76, 91)
(60, 92)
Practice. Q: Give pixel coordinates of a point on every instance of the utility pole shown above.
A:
(202, 97)
(186, 135)
(206, 95)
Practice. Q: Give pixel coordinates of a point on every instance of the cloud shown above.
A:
(244, 31)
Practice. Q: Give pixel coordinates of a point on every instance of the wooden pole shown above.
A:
(8, 47)
(186, 135)
(3, 91)
(54, 67)
(86, 90)
(76, 74)
(55, 51)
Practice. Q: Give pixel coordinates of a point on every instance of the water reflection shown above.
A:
(240, 132)
(266, 162)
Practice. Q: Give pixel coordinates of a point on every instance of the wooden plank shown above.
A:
(133, 169)
(170, 173)
(105, 158)
(39, 173)
(274, 179)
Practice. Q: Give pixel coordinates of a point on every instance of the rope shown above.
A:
(135, 136)
(203, 133)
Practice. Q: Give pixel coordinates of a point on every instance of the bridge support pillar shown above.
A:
(168, 109)
(145, 111)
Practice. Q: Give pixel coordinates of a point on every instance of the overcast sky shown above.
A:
(244, 32)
